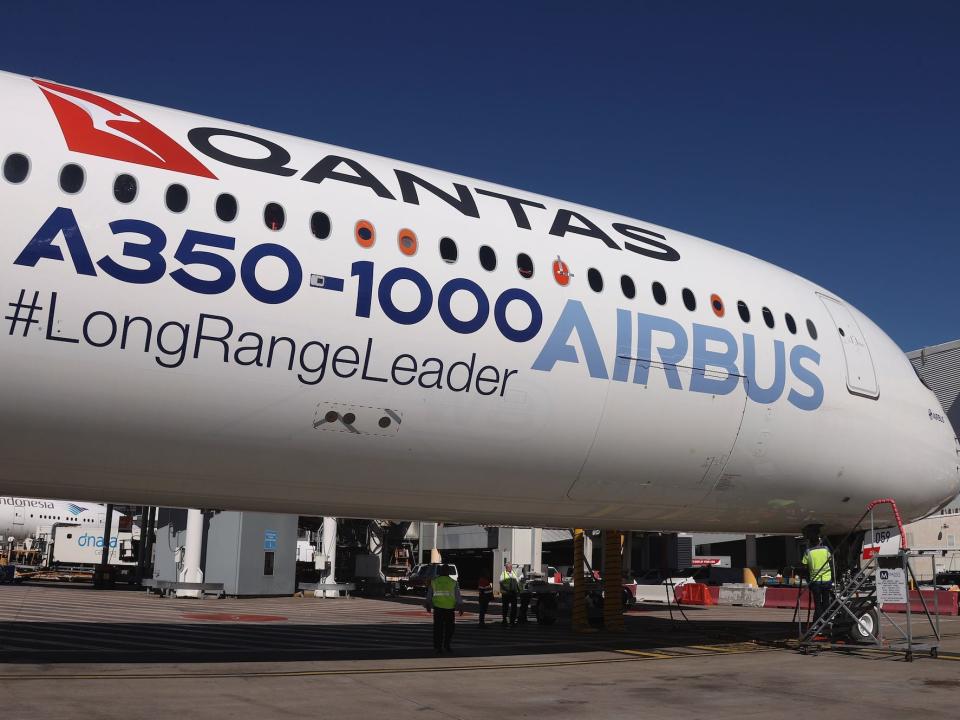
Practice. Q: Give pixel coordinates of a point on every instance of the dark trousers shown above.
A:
(822, 593)
(509, 601)
(524, 608)
(443, 624)
(484, 604)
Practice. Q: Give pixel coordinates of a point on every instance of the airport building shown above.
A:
(938, 367)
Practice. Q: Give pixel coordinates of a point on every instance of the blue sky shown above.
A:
(821, 136)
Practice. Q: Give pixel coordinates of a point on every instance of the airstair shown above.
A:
(858, 600)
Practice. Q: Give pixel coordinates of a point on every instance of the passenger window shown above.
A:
(716, 304)
(595, 280)
(743, 310)
(320, 225)
(812, 329)
(407, 241)
(689, 301)
(791, 325)
(226, 207)
(364, 233)
(525, 265)
(488, 258)
(177, 198)
(72, 178)
(659, 293)
(125, 188)
(274, 216)
(16, 168)
(629, 289)
(448, 250)
(767, 317)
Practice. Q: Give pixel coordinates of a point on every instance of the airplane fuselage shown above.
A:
(218, 316)
(25, 517)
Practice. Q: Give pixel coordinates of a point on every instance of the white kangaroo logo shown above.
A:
(101, 116)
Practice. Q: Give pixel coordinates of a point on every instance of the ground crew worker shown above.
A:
(443, 597)
(509, 590)
(817, 562)
(524, 602)
(486, 595)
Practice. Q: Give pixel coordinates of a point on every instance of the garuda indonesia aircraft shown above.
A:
(205, 314)
(22, 517)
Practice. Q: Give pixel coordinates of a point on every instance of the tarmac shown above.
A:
(71, 650)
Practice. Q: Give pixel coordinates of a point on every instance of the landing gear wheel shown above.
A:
(866, 628)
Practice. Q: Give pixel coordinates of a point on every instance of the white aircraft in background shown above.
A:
(205, 314)
(23, 517)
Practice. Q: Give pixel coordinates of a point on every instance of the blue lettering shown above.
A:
(248, 273)
(41, 245)
(188, 254)
(149, 251)
(557, 348)
(757, 393)
(805, 375)
(621, 365)
(385, 294)
(704, 359)
(669, 356)
(445, 297)
(500, 315)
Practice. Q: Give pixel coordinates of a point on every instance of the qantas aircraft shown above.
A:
(205, 314)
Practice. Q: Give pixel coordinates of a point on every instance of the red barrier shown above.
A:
(786, 597)
(948, 603)
(694, 594)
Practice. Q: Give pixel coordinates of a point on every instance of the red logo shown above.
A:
(96, 126)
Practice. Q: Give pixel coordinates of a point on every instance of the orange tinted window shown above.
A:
(407, 240)
(717, 305)
(365, 233)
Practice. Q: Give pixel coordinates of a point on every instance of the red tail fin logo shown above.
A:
(96, 126)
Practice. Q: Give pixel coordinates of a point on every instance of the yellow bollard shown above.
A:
(579, 617)
(613, 580)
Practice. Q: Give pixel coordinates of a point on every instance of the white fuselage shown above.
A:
(25, 517)
(180, 359)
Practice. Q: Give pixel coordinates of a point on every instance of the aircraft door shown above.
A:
(861, 376)
(660, 443)
(17, 516)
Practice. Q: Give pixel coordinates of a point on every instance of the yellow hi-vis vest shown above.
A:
(444, 592)
(817, 561)
(509, 583)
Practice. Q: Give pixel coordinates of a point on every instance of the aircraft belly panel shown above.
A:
(658, 445)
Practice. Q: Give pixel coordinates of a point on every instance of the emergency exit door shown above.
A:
(17, 516)
(861, 375)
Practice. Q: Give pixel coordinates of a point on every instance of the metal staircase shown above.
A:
(855, 610)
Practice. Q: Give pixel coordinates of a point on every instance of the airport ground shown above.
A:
(124, 654)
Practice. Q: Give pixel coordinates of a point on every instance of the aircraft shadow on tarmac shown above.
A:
(383, 635)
